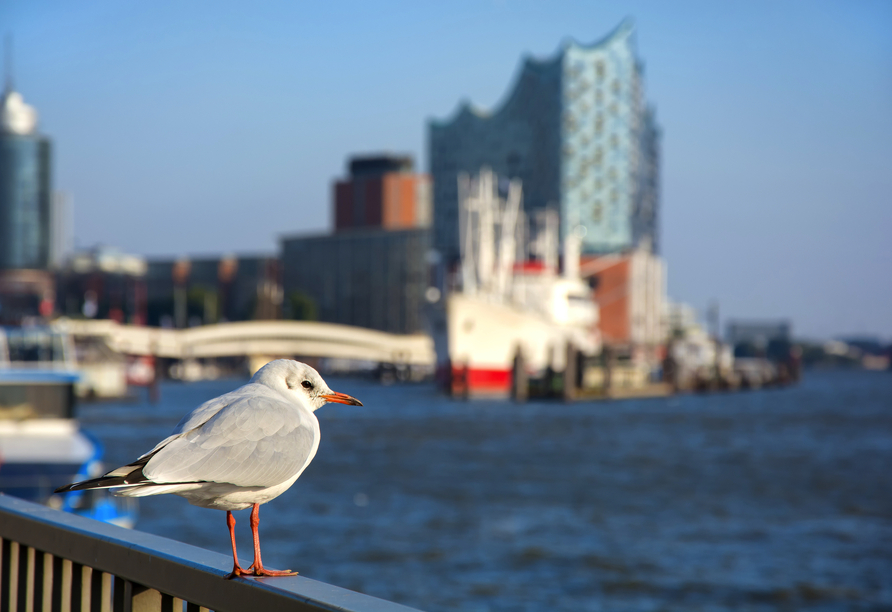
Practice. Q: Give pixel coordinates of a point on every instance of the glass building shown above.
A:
(576, 129)
(25, 189)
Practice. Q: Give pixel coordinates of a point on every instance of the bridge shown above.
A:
(259, 338)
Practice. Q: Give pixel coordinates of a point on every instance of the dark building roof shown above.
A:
(376, 165)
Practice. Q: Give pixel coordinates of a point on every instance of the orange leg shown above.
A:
(236, 568)
(258, 562)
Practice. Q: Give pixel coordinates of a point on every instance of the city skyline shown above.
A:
(776, 145)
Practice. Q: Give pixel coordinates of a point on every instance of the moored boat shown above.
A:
(42, 445)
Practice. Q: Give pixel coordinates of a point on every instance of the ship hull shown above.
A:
(480, 341)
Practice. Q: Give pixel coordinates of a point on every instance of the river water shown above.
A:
(769, 500)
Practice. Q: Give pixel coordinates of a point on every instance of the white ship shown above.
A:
(510, 303)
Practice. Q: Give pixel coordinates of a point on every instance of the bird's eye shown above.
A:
(307, 384)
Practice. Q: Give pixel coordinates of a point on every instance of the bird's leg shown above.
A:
(236, 568)
(258, 562)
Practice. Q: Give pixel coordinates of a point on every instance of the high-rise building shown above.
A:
(25, 190)
(26, 286)
(382, 191)
(577, 131)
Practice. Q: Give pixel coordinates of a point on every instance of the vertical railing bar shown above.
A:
(67, 571)
(13, 583)
(86, 582)
(146, 599)
(178, 604)
(46, 593)
(107, 580)
(30, 561)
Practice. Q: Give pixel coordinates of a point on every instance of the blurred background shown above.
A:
(648, 240)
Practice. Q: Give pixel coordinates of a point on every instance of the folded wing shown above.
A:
(253, 441)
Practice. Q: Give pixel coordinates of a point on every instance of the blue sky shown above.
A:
(216, 127)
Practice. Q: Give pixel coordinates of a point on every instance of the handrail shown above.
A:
(52, 560)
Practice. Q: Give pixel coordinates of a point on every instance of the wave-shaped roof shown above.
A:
(467, 109)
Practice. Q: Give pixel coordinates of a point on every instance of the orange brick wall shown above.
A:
(387, 202)
(612, 295)
(399, 201)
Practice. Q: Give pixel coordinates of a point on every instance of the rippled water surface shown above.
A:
(769, 500)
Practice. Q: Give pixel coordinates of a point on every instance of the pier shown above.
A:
(54, 561)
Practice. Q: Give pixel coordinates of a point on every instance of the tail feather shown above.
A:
(120, 477)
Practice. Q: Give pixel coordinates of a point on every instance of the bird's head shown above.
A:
(300, 381)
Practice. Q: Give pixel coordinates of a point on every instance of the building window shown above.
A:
(599, 69)
(597, 212)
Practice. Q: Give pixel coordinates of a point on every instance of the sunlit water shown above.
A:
(769, 500)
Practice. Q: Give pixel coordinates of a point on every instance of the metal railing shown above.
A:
(55, 561)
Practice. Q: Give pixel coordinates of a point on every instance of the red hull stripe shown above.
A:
(481, 380)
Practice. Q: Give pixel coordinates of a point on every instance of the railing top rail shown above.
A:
(171, 567)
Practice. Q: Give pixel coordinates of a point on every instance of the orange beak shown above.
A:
(341, 398)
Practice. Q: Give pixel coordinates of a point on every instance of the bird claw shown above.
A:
(271, 573)
(238, 571)
(261, 572)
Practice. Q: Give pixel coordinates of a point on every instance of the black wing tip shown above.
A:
(97, 483)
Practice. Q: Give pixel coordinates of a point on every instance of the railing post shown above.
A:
(86, 582)
(46, 576)
(30, 579)
(66, 574)
(100, 592)
(145, 599)
(12, 584)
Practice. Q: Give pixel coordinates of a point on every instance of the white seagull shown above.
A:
(241, 449)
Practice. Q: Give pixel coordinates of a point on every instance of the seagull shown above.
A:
(239, 450)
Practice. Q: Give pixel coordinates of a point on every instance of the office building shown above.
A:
(576, 129)
(371, 278)
(382, 191)
(372, 272)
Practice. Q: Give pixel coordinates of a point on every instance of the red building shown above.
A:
(629, 289)
(382, 192)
